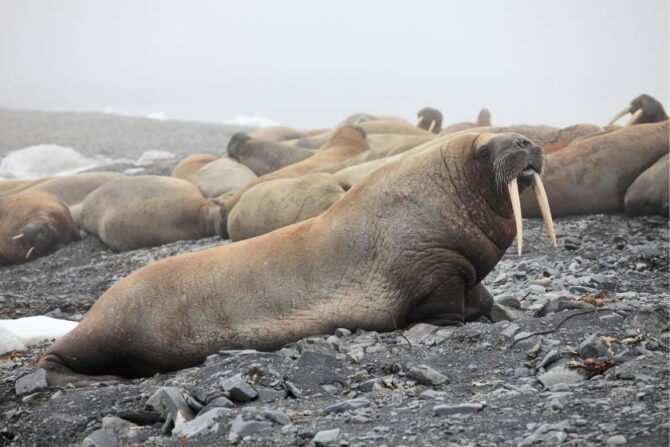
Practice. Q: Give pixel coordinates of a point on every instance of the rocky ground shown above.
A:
(596, 374)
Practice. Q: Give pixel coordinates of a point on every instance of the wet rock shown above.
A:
(592, 348)
(326, 437)
(241, 428)
(347, 405)
(460, 409)
(203, 424)
(277, 416)
(101, 438)
(140, 417)
(32, 382)
(239, 389)
(561, 374)
(426, 375)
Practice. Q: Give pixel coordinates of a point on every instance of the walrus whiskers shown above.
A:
(619, 115)
(543, 202)
(18, 236)
(513, 188)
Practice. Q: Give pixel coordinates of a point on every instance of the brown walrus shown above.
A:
(411, 243)
(282, 202)
(645, 109)
(149, 210)
(221, 178)
(277, 134)
(649, 192)
(33, 224)
(263, 157)
(429, 119)
(592, 176)
(190, 164)
(347, 142)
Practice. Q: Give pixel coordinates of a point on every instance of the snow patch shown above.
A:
(154, 156)
(10, 342)
(31, 330)
(250, 121)
(44, 160)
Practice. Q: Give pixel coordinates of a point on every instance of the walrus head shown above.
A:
(429, 119)
(645, 109)
(40, 237)
(236, 144)
(513, 162)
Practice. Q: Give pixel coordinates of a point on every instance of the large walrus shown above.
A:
(644, 109)
(649, 192)
(33, 224)
(347, 142)
(221, 178)
(190, 164)
(282, 202)
(277, 134)
(263, 157)
(411, 243)
(149, 210)
(592, 176)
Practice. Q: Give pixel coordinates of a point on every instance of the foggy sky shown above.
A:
(309, 63)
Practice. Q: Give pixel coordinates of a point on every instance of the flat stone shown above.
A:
(292, 390)
(203, 424)
(347, 405)
(241, 428)
(592, 348)
(239, 390)
(426, 375)
(101, 438)
(370, 385)
(510, 330)
(315, 369)
(267, 395)
(551, 357)
(417, 333)
(325, 437)
(32, 382)
(499, 313)
(316, 359)
(342, 332)
(561, 374)
(277, 416)
(616, 440)
(451, 410)
(217, 402)
(116, 424)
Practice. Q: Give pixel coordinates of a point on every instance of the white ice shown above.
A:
(16, 334)
(251, 121)
(44, 160)
(154, 155)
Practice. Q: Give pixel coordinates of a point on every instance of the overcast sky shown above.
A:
(308, 63)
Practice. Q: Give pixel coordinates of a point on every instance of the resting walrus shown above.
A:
(33, 224)
(410, 243)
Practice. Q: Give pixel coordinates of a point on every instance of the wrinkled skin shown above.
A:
(282, 202)
(592, 176)
(33, 224)
(191, 164)
(145, 211)
(347, 142)
(221, 178)
(649, 192)
(263, 157)
(410, 243)
(430, 120)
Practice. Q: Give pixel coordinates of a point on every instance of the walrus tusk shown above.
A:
(513, 188)
(619, 115)
(29, 252)
(636, 116)
(432, 124)
(542, 200)
(418, 123)
(18, 236)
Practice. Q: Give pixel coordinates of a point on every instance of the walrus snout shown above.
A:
(430, 119)
(38, 238)
(236, 144)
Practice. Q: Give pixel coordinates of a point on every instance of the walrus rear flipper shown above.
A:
(60, 375)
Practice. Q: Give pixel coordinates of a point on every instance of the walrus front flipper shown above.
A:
(478, 302)
(60, 375)
(445, 306)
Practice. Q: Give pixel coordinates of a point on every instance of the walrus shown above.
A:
(282, 202)
(358, 118)
(349, 176)
(149, 210)
(72, 190)
(483, 120)
(8, 187)
(567, 135)
(33, 224)
(592, 176)
(649, 192)
(644, 109)
(263, 157)
(277, 134)
(347, 142)
(221, 178)
(429, 119)
(190, 164)
(410, 243)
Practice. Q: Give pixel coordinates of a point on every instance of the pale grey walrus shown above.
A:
(149, 210)
(411, 243)
(33, 224)
(649, 192)
(278, 203)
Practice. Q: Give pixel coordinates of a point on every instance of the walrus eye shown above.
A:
(483, 152)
